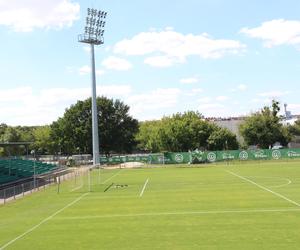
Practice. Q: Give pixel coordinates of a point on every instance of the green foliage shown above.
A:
(183, 132)
(264, 128)
(221, 139)
(295, 129)
(11, 134)
(148, 136)
(42, 140)
(73, 132)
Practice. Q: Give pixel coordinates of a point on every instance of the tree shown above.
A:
(42, 141)
(11, 134)
(222, 138)
(264, 128)
(295, 129)
(73, 132)
(148, 136)
(183, 132)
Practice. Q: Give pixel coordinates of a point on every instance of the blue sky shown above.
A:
(219, 57)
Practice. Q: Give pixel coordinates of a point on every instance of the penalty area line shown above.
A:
(42, 222)
(144, 187)
(264, 188)
(112, 176)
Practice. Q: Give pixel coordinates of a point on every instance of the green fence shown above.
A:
(205, 156)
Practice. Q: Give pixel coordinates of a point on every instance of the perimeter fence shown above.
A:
(205, 156)
(15, 191)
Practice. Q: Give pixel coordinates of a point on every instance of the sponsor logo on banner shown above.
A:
(227, 156)
(179, 158)
(211, 157)
(293, 154)
(276, 154)
(243, 155)
(260, 154)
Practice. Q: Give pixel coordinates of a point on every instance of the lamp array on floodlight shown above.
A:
(94, 29)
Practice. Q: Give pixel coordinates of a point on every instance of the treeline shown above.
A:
(119, 132)
(264, 128)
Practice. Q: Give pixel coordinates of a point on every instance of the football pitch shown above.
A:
(235, 206)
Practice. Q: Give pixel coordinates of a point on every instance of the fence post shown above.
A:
(4, 196)
(23, 189)
(14, 192)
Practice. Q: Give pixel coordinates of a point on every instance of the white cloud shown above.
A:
(87, 48)
(198, 90)
(294, 108)
(276, 32)
(146, 106)
(213, 109)
(116, 63)
(23, 106)
(194, 92)
(256, 100)
(27, 15)
(189, 80)
(87, 70)
(222, 98)
(159, 61)
(168, 47)
(274, 94)
(205, 99)
(84, 70)
(242, 87)
(13, 95)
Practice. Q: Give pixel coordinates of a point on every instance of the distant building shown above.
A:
(289, 119)
(231, 124)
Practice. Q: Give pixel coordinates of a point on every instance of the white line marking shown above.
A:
(76, 188)
(288, 181)
(42, 222)
(264, 188)
(142, 192)
(112, 176)
(283, 185)
(179, 213)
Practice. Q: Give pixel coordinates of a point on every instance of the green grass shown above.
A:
(181, 208)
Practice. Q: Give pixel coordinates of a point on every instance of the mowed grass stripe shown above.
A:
(279, 210)
(50, 217)
(42, 222)
(185, 208)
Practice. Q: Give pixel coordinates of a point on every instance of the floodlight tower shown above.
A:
(93, 35)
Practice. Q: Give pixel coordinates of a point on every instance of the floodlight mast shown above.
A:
(93, 35)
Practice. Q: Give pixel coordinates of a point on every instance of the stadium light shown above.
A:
(93, 35)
